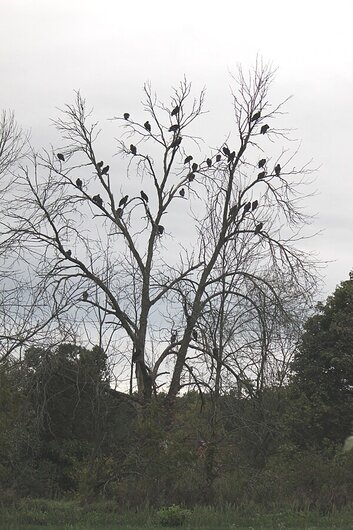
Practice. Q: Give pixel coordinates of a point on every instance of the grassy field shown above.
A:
(55, 515)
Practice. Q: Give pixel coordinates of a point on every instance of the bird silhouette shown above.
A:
(182, 192)
(194, 335)
(278, 170)
(79, 184)
(105, 170)
(160, 229)
(174, 337)
(194, 167)
(209, 162)
(61, 157)
(261, 163)
(97, 199)
(126, 116)
(147, 126)
(119, 212)
(85, 295)
(176, 110)
(173, 128)
(100, 164)
(233, 210)
(176, 142)
(258, 228)
(261, 175)
(226, 151)
(256, 116)
(123, 201)
(231, 156)
(254, 205)
(247, 207)
(133, 149)
(144, 196)
(191, 177)
(264, 129)
(188, 159)
(68, 253)
(218, 158)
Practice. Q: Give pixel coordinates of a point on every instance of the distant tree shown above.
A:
(323, 369)
(114, 250)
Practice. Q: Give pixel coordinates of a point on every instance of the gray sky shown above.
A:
(108, 49)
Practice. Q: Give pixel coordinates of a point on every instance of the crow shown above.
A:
(182, 192)
(254, 205)
(194, 335)
(105, 170)
(261, 163)
(100, 164)
(119, 212)
(133, 149)
(68, 253)
(256, 116)
(175, 111)
(61, 157)
(176, 142)
(209, 162)
(278, 170)
(226, 151)
(97, 199)
(247, 207)
(85, 295)
(126, 116)
(233, 210)
(264, 129)
(147, 126)
(173, 128)
(261, 175)
(79, 184)
(188, 159)
(218, 158)
(191, 177)
(231, 156)
(144, 196)
(123, 201)
(160, 229)
(194, 167)
(258, 228)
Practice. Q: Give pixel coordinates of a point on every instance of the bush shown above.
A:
(173, 515)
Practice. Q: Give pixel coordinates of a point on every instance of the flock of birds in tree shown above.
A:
(174, 128)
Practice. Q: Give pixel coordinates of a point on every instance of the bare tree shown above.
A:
(123, 252)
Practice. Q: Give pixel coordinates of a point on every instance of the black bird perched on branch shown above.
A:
(278, 170)
(254, 205)
(182, 192)
(97, 199)
(176, 142)
(258, 228)
(133, 149)
(68, 253)
(160, 229)
(147, 126)
(119, 212)
(61, 157)
(226, 151)
(256, 116)
(247, 207)
(231, 156)
(79, 184)
(218, 158)
(233, 210)
(264, 129)
(144, 196)
(191, 177)
(100, 164)
(174, 337)
(188, 159)
(123, 201)
(209, 162)
(173, 128)
(126, 115)
(261, 175)
(105, 170)
(175, 111)
(85, 295)
(261, 163)
(194, 335)
(194, 167)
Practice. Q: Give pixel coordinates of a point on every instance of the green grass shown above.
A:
(65, 515)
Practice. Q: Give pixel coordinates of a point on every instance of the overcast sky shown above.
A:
(109, 48)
